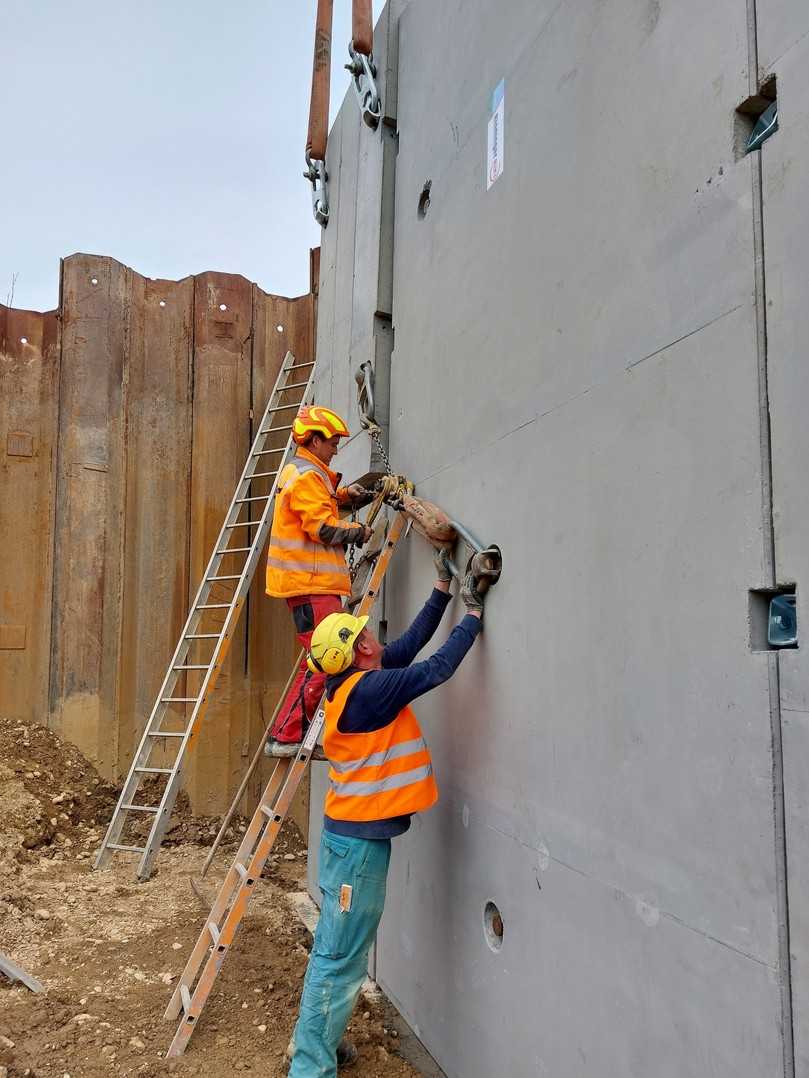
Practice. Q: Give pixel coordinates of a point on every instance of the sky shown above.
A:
(168, 134)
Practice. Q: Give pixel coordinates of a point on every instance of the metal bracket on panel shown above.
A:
(318, 177)
(363, 75)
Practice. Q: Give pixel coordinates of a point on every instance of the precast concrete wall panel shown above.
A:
(355, 290)
(575, 376)
(784, 51)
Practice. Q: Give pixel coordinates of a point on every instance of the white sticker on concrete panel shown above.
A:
(496, 135)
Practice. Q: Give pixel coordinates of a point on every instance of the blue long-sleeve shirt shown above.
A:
(380, 695)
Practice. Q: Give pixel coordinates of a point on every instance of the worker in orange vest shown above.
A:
(306, 562)
(380, 774)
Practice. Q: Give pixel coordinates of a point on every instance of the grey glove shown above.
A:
(470, 596)
(359, 496)
(441, 561)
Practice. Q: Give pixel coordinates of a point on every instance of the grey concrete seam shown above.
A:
(768, 539)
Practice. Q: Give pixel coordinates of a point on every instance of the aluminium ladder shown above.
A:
(209, 628)
(230, 905)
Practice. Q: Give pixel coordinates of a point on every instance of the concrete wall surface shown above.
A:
(597, 364)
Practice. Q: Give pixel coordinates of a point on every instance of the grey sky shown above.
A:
(169, 135)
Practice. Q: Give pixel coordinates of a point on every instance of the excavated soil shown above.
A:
(109, 950)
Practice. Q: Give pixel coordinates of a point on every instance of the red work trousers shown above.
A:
(305, 691)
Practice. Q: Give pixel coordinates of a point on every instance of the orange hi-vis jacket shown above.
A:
(378, 774)
(298, 562)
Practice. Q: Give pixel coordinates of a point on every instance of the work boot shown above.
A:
(285, 749)
(346, 1053)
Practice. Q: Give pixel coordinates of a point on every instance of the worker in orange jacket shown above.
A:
(306, 562)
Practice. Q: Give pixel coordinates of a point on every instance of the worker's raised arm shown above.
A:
(312, 503)
(381, 694)
(402, 651)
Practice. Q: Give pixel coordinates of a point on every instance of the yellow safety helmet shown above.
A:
(332, 647)
(314, 419)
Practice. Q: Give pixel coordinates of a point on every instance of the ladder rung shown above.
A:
(241, 869)
(155, 770)
(294, 385)
(214, 931)
(257, 498)
(126, 849)
(192, 666)
(140, 808)
(268, 812)
(202, 636)
(299, 366)
(165, 733)
(213, 606)
(244, 524)
(231, 576)
(237, 549)
(185, 996)
(261, 475)
(265, 452)
(282, 408)
(178, 700)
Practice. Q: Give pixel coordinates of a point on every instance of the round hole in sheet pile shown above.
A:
(493, 926)
(279, 329)
(162, 303)
(223, 306)
(94, 280)
(23, 340)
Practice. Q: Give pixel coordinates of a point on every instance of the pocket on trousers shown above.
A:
(334, 930)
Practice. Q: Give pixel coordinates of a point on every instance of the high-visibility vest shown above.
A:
(379, 774)
(297, 564)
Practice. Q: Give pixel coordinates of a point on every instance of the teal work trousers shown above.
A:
(353, 876)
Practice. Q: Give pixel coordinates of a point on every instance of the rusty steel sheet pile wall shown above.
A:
(126, 417)
(599, 363)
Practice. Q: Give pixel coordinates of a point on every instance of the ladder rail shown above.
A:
(236, 889)
(189, 632)
(222, 645)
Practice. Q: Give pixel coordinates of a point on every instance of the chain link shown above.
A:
(376, 433)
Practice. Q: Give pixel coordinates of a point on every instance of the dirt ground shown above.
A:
(109, 950)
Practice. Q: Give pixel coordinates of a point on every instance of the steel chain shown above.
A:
(375, 433)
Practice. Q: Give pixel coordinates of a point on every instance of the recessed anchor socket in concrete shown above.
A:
(773, 619)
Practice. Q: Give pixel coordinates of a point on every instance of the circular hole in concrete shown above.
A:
(162, 303)
(94, 280)
(223, 306)
(424, 200)
(23, 340)
(493, 926)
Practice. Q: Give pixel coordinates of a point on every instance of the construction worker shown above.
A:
(306, 562)
(380, 775)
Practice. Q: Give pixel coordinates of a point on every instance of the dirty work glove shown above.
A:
(364, 536)
(441, 560)
(359, 495)
(470, 596)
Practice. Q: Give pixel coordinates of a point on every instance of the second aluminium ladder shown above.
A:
(209, 628)
(238, 886)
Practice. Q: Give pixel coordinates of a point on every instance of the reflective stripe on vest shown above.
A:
(376, 774)
(395, 782)
(404, 748)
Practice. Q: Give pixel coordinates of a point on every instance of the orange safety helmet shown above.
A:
(312, 419)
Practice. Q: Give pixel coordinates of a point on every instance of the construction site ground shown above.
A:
(109, 950)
